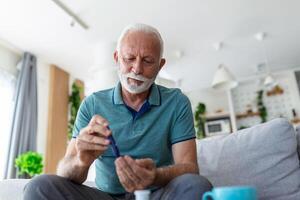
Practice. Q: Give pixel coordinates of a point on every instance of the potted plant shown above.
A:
(200, 120)
(74, 104)
(29, 164)
(261, 107)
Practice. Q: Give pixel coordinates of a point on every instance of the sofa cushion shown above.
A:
(264, 156)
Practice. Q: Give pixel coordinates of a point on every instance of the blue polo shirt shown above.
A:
(165, 119)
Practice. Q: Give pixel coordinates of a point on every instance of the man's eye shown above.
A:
(129, 59)
(148, 61)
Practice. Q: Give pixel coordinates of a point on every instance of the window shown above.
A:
(7, 86)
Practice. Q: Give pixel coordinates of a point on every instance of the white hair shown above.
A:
(141, 28)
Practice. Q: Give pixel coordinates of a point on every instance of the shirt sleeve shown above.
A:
(183, 127)
(84, 115)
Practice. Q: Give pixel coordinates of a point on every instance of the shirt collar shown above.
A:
(117, 97)
(154, 98)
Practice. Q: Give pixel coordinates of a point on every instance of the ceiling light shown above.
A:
(223, 79)
(72, 24)
(260, 36)
(218, 46)
(178, 54)
(270, 82)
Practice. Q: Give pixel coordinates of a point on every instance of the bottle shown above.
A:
(142, 194)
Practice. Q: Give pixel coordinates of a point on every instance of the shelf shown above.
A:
(217, 115)
(277, 90)
(295, 121)
(245, 115)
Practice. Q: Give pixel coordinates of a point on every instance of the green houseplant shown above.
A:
(74, 103)
(261, 107)
(29, 164)
(200, 120)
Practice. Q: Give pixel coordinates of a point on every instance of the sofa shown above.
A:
(265, 156)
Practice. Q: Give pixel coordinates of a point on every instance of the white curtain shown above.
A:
(7, 88)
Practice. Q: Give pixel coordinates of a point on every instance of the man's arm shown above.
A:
(90, 143)
(70, 167)
(185, 161)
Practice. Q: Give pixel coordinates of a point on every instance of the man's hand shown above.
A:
(135, 174)
(92, 140)
(83, 150)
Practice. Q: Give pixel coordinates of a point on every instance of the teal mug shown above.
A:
(231, 193)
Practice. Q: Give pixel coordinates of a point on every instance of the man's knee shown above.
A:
(193, 182)
(40, 183)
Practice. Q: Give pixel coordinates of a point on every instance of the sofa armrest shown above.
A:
(298, 139)
(12, 188)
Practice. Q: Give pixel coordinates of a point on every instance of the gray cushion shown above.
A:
(264, 156)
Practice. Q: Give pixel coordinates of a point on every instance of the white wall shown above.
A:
(213, 99)
(8, 58)
(277, 105)
(43, 73)
(100, 80)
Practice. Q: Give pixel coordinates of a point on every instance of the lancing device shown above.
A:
(113, 145)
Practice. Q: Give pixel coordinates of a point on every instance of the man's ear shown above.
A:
(116, 58)
(162, 63)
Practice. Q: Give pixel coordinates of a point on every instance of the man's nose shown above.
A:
(137, 67)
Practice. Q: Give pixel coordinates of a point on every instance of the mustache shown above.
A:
(136, 77)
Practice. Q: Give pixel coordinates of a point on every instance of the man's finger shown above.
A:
(146, 163)
(96, 130)
(99, 130)
(140, 171)
(134, 166)
(87, 146)
(124, 180)
(94, 139)
(97, 119)
(126, 169)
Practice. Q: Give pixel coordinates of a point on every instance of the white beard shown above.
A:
(134, 88)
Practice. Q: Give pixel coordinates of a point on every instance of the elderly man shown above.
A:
(152, 126)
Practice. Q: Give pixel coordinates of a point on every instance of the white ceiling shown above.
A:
(188, 26)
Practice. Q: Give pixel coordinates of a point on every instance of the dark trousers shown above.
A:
(48, 187)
